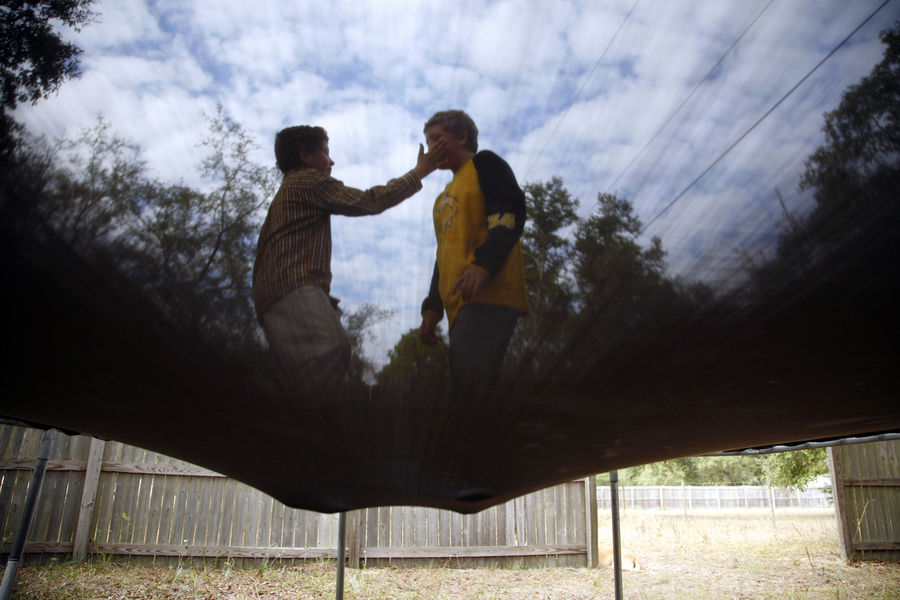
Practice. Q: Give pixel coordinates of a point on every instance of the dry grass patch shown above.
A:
(708, 555)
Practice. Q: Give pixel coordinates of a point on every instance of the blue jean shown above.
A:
(478, 343)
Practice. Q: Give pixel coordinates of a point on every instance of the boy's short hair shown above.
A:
(291, 140)
(457, 122)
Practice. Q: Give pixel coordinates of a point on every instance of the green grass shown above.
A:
(708, 556)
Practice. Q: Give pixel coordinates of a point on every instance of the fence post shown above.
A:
(841, 502)
(88, 495)
(341, 555)
(772, 504)
(592, 533)
(353, 547)
(617, 542)
(31, 498)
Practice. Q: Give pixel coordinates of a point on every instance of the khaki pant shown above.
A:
(306, 335)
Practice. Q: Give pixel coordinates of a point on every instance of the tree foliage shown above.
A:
(702, 470)
(412, 364)
(358, 325)
(201, 245)
(546, 257)
(190, 251)
(796, 469)
(34, 60)
(854, 175)
(611, 267)
(550, 209)
(788, 470)
(91, 192)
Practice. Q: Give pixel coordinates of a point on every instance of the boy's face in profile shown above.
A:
(320, 160)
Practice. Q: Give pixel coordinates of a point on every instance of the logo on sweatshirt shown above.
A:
(448, 209)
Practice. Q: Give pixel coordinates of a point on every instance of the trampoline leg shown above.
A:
(342, 547)
(34, 489)
(617, 542)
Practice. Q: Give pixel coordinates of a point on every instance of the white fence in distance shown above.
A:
(719, 497)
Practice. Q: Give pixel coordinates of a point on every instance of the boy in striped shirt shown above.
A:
(292, 271)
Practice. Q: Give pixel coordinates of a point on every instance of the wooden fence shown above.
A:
(108, 498)
(690, 497)
(866, 481)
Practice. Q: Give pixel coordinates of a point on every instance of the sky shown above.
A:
(636, 97)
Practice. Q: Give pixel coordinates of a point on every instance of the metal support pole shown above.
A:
(617, 542)
(342, 549)
(34, 490)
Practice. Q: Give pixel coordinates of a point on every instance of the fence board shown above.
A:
(123, 483)
(502, 524)
(105, 494)
(444, 531)
(84, 525)
(372, 537)
(867, 489)
(540, 518)
(47, 516)
(312, 529)
(6, 434)
(156, 507)
(279, 511)
(124, 516)
(149, 508)
(561, 511)
(249, 524)
(712, 498)
(551, 531)
(203, 489)
(581, 525)
(140, 514)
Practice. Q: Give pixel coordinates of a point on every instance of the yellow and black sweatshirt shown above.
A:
(478, 220)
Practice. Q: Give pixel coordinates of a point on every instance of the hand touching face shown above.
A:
(455, 153)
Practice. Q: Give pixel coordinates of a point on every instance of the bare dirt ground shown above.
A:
(708, 555)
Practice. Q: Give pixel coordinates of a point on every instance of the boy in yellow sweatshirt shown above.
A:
(479, 279)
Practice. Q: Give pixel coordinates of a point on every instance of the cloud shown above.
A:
(572, 88)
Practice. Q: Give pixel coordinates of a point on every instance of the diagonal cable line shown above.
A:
(768, 112)
(581, 89)
(689, 96)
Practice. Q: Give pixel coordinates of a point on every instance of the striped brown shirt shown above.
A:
(294, 247)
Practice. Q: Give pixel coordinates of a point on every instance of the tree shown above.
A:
(845, 248)
(610, 265)
(854, 175)
(190, 251)
(698, 470)
(796, 469)
(546, 254)
(34, 60)
(550, 210)
(207, 241)
(358, 323)
(91, 194)
(412, 364)
(623, 295)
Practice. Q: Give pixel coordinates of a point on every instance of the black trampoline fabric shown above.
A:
(84, 352)
(127, 312)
